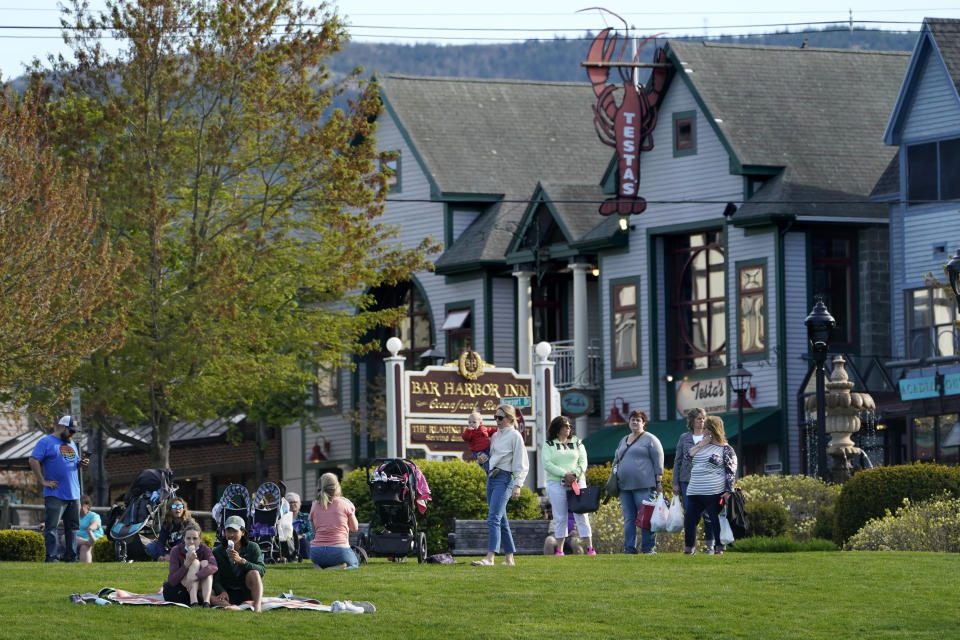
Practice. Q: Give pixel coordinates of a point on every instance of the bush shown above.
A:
(781, 544)
(459, 492)
(875, 492)
(930, 525)
(607, 525)
(21, 545)
(767, 519)
(103, 550)
(598, 474)
(802, 496)
(823, 526)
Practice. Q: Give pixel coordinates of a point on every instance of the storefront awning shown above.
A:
(760, 426)
(455, 319)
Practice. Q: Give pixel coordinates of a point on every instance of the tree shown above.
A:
(216, 144)
(56, 267)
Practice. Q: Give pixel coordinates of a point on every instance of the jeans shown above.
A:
(499, 489)
(56, 509)
(630, 500)
(557, 493)
(707, 522)
(333, 556)
(694, 506)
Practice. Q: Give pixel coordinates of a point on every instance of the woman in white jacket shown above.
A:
(508, 469)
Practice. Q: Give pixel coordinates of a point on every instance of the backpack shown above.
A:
(737, 514)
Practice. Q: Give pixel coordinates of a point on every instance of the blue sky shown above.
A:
(460, 22)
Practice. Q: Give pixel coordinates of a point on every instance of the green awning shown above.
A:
(760, 426)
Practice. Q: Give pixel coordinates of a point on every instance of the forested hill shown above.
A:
(559, 60)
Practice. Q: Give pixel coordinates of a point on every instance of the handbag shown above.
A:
(644, 513)
(587, 502)
(613, 482)
(675, 521)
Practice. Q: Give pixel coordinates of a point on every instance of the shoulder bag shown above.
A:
(613, 483)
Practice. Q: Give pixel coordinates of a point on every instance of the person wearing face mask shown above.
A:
(56, 462)
(192, 566)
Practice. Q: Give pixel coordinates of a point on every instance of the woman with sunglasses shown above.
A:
(508, 470)
(565, 461)
(171, 531)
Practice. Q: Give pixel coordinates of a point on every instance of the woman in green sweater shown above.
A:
(240, 563)
(565, 461)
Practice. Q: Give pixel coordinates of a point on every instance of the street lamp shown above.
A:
(615, 419)
(740, 383)
(953, 268)
(819, 324)
(432, 356)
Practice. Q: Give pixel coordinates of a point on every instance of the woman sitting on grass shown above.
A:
(192, 566)
(333, 518)
(89, 531)
(240, 576)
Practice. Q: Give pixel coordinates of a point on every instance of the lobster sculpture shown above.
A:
(628, 127)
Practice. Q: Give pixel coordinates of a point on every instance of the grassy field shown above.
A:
(739, 595)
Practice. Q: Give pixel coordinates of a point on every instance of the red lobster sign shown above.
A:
(628, 127)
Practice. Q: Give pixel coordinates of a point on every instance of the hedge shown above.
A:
(21, 545)
(873, 492)
(459, 492)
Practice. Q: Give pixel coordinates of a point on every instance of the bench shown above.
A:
(470, 537)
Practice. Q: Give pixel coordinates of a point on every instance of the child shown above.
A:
(478, 437)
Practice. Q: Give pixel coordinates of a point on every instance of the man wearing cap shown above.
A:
(56, 462)
(240, 575)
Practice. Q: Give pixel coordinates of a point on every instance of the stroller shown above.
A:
(235, 501)
(393, 528)
(265, 513)
(141, 513)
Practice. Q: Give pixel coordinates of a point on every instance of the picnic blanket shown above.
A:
(109, 595)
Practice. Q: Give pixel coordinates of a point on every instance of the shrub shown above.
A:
(21, 545)
(930, 525)
(781, 544)
(874, 492)
(766, 519)
(103, 550)
(802, 496)
(598, 474)
(459, 492)
(607, 525)
(823, 526)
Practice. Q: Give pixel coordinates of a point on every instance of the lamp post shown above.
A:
(953, 269)
(819, 324)
(740, 383)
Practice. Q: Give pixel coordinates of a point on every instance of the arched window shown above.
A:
(415, 329)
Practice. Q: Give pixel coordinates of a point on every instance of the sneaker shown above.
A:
(710, 551)
(591, 552)
(718, 552)
(76, 598)
(344, 607)
(689, 551)
(649, 553)
(558, 552)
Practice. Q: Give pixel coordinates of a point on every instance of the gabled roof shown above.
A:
(814, 117)
(940, 40)
(495, 137)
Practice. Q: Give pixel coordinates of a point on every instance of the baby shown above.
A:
(478, 437)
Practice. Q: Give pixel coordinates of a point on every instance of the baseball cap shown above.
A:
(235, 522)
(68, 422)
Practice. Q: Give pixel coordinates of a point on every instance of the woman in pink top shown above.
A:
(333, 518)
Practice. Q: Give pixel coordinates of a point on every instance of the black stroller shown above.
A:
(264, 523)
(235, 501)
(138, 518)
(393, 528)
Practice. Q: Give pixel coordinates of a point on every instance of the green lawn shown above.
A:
(739, 595)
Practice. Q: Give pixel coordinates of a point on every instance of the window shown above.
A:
(625, 343)
(697, 300)
(327, 389)
(932, 439)
(414, 329)
(548, 299)
(930, 329)
(684, 133)
(752, 310)
(390, 164)
(832, 273)
(933, 171)
(459, 327)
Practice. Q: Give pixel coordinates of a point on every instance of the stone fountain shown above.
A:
(842, 410)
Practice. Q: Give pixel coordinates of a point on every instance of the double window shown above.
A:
(933, 171)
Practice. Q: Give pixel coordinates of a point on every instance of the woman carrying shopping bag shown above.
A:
(713, 468)
(640, 475)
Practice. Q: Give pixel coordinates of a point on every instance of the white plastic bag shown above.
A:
(675, 519)
(661, 513)
(726, 533)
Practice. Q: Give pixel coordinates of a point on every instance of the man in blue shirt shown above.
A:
(56, 461)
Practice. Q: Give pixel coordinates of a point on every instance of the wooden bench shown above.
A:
(470, 537)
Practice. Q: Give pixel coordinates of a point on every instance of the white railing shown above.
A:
(566, 375)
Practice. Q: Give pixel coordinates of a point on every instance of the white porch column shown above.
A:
(580, 339)
(546, 403)
(524, 319)
(394, 365)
